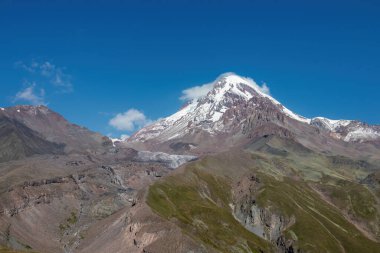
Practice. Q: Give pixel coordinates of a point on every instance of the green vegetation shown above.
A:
(319, 226)
(199, 203)
(309, 165)
(198, 198)
(354, 197)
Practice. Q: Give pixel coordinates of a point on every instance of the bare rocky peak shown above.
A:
(54, 128)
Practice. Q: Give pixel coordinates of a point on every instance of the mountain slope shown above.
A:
(236, 111)
(18, 141)
(298, 201)
(212, 112)
(51, 128)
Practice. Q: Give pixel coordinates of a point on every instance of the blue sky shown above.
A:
(90, 62)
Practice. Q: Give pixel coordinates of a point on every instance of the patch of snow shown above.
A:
(237, 80)
(332, 125)
(347, 130)
(295, 116)
(362, 134)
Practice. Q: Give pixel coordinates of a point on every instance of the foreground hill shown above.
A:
(283, 200)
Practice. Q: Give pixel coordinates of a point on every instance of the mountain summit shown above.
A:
(236, 106)
(212, 112)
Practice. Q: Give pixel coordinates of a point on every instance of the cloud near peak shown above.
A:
(130, 120)
(202, 90)
(196, 92)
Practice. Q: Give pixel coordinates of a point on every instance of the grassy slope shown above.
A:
(319, 226)
(197, 200)
(199, 204)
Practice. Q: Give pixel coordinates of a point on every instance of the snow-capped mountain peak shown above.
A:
(224, 108)
(206, 113)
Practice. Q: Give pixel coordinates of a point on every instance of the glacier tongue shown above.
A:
(173, 161)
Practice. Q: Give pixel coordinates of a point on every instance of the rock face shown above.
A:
(263, 222)
(234, 108)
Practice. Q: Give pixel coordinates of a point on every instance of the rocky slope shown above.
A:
(18, 141)
(61, 183)
(53, 128)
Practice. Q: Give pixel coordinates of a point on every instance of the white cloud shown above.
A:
(202, 90)
(263, 88)
(130, 120)
(196, 91)
(55, 75)
(30, 95)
